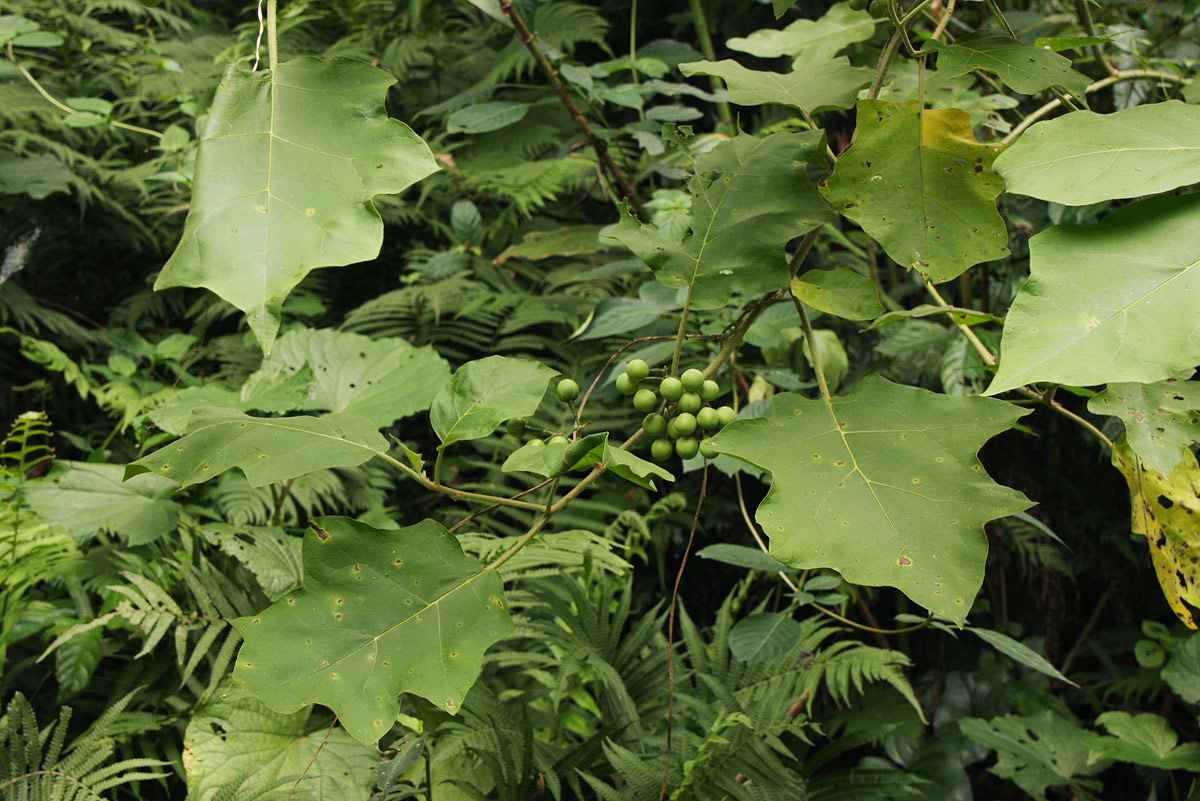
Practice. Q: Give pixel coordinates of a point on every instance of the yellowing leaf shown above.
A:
(919, 183)
(1166, 511)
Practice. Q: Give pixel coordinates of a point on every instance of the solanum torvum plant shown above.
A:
(874, 479)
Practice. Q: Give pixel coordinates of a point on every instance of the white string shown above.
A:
(258, 41)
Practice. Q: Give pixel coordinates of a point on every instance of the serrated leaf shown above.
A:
(1022, 67)
(763, 636)
(1143, 739)
(86, 498)
(383, 380)
(742, 556)
(1110, 302)
(920, 185)
(238, 748)
(380, 613)
(840, 292)
(269, 552)
(287, 168)
(827, 84)
(1020, 652)
(1161, 419)
(1164, 510)
(882, 485)
(1035, 751)
(750, 197)
(266, 449)
(484, 393)
(815, 40)
(1084, 157)
(957, 314)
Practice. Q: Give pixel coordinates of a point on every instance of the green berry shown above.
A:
(568, 390)
(878, 8)
(672, 430)
(516, 427)
(686, 447)
(727, 414)
(708, 418)
(535, 444)
(671, 388)
(685, 424)
(692, 380)
(710, 391)
(637, 369)
(857, 5)
(661, 450)
(626, 385)
(655, 424)
(645, 400)
(690, 402)
(559, 439)
(706, 448)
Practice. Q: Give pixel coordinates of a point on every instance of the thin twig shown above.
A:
(671, 629)
(316, 754)
(599, 145)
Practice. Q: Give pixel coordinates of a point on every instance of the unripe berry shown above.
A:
(707, 450)
(692, 380)
(535, 444)
(655, 424)
(637, 369)
(671, 388)
(710, 391)
(708, 417)
(568, 390)
(727, 414)
(516, 427)
(559, 439)
(661, 450)
(687, 447)
(645, 400)
(626, 385)
(685, 424)
(690, 402)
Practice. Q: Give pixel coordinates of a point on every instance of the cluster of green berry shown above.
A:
(685, 415)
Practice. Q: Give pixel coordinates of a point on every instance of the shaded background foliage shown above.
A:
(462, 270)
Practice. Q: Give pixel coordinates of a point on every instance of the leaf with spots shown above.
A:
(1036, 751)
(1111, 302)
(266, 449)
(1166, 511)
(1025, 68)
(484, 393)
(288, 165)
(1161, 419)
(922, 187)
(381, 612)
(883, 485)
(750, 196)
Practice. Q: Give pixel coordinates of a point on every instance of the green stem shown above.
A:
(454, 493)
(681, 334)
(1089, 27)
(885, 63)
(814, 351)
(272, 36)
(549, 509)
(706, 47)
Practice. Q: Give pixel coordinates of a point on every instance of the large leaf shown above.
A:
(380, 613)
(840, 292)
(86, 498)
(266, 449)
(1025, 68)
(1143, 739)
(750, 197)
(1084, 157)
(287, 168)
(1035, 751)
(882, 485)
(814, 40)
(920, 184)
(1161, 419)
(1165, 509)
(1108, 302)
(380, 379)
(238, 748)
(484, 393)
(830, 83)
